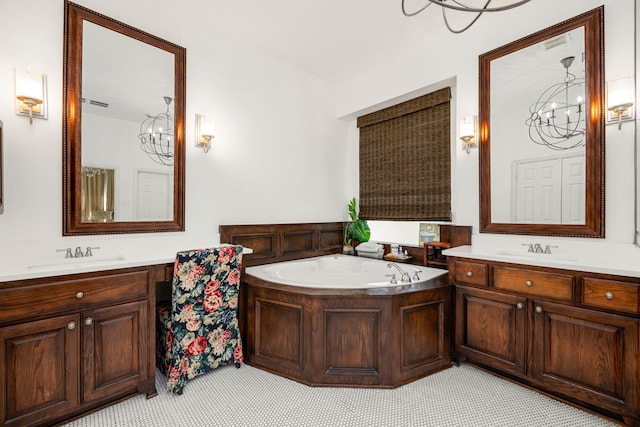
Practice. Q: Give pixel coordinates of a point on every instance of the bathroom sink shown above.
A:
(70, 263)
(536, 256)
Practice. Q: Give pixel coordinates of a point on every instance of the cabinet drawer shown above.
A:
(610, 294)
(472, 273)
(39, 299)
(536, 283)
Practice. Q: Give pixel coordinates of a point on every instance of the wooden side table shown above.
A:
(433, 254)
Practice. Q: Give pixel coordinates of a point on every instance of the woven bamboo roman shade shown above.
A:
(405, 160)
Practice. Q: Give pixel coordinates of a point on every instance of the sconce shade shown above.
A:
(29, 86)
(468, 133)
(620, 100)
(205, 132)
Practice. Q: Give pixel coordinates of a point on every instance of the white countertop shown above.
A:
(21, 264)
(621, 260)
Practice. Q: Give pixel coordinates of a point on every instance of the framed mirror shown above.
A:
(541, 131)
(123, 128)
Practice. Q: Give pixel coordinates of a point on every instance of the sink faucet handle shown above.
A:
(530, 246)
(68, 253)
(547, 248)
(393, 280)
(89, 248)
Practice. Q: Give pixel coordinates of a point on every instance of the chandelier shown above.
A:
(556, 120)
(156, 136)
(458, 6)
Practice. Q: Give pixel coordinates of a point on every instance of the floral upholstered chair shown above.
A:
(199, 330)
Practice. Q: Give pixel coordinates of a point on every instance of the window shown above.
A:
(405, 160)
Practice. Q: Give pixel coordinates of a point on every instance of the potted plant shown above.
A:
(355, 230)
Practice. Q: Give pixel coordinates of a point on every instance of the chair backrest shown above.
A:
(204, 306)
(206, 279)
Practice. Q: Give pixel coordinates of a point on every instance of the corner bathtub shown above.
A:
(340, 272)
(337, 321)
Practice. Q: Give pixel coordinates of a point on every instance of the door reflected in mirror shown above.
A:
(542, 132)
(123, 128)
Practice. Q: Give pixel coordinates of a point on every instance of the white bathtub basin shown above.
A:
(73, 263)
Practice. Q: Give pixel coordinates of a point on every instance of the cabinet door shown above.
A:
(115, 347)
(491, 328)
(588, 355)
(39, 366)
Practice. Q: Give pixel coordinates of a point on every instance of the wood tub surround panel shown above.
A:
(351, 343)
(569, 333)
(282, 242)
(75, 343)
(382, 337)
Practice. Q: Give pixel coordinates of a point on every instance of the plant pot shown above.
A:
(348, 250)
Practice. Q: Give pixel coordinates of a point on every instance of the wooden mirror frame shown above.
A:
(72, 140)
(593, 22)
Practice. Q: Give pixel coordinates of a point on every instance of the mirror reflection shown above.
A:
(124, 154)
(538, 132)
(127, 125)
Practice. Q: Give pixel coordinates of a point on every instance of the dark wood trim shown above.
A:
(284, 242)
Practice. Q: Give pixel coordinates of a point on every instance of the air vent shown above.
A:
(551, 43)
(98, 103)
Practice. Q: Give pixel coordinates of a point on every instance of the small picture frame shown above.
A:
(429, 232)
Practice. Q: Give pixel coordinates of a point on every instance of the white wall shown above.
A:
(278, 155)
(456, 57)
(284, 150)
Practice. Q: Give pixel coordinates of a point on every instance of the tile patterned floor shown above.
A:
(460, 396)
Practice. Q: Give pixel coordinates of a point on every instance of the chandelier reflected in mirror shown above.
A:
(557, 118)
(156, 136)
(482, 7)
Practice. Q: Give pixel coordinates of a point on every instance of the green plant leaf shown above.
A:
(351, 207)
(359, 230)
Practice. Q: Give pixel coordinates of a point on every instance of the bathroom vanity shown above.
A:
(570, 332)
(73, 343)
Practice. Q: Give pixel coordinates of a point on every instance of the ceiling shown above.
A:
(335, 40)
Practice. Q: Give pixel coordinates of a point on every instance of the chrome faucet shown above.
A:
(537, 248)
(78, 253)
(405, 276)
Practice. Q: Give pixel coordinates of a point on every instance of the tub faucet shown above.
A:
(405, 276)
(79, 253)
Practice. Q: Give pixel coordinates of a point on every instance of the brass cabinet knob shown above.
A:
(539, 309)
(469, 273)
(529, 283)
(88, 321)
(79, 294)
(520, 306)
(71, 325)
(608, 295)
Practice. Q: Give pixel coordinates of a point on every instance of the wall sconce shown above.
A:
(620, 100)
(204, 132)
(469, 133)
(31, 90)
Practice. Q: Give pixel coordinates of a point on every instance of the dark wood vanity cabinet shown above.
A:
(75, 343)
(568, 333)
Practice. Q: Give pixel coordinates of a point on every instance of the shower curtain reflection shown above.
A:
(97, 194)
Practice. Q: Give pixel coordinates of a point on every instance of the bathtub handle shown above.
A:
(415, 275)
(393, 280)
